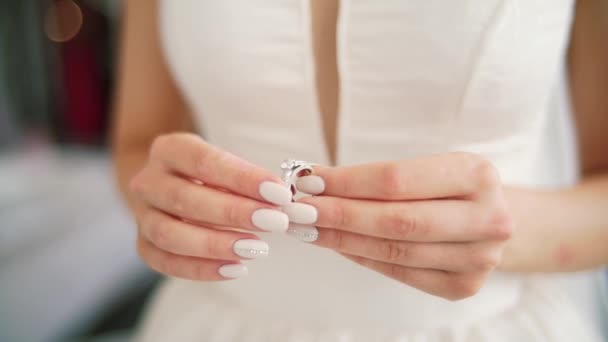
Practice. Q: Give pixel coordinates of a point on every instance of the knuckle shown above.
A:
(160, 144)
(395, 251)
(484, 261)
(396, 272)
(160, 235)
(208, 247)
(204, 166)
(339, 241)
(479, 220)
(232, 215)
(392, 181)
(401, 225)
(463, 287)
(335, 239)
(177, 199)
(199, 271)
(345, 183)
(502, 224)
(497, 224)
(244, 175)
(338, 216)
(486, 175)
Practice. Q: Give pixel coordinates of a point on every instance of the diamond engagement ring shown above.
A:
(292, 169)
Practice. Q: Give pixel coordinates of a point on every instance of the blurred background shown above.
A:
(68, 269)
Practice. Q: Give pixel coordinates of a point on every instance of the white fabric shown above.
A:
(417, 77)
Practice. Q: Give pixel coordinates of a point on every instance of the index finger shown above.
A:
(193, 157)
(439, 176)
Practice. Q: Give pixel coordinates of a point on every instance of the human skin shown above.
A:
(516, 229)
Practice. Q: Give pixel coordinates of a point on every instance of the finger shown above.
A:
(423, 221)
(454, 257)
(449, 285)
(191, 156)
(310, 184)
(193, 202)
(440, 176)
(178, 237)
(187, 267)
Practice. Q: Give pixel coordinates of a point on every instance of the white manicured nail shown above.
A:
(233, 271)
(312, 185)
(275, 193)
(270, 220)
(303, 232)
(250, 248)
(301, 213)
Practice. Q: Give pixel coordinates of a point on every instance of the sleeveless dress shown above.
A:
(417, 77)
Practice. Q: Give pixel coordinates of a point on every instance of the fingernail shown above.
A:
(270, 220)
(301, 213)
(312, 185)
(250, 248)
(275, 193)
(303, 232)
(233, 271)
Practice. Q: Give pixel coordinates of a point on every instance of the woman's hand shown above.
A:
(438, 223)
(192, 197)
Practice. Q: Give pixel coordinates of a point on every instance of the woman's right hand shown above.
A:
(198, 207)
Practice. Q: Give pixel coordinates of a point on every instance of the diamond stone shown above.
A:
(288, 164)
(290, 169)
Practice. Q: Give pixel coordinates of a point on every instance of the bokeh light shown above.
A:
(63, 20)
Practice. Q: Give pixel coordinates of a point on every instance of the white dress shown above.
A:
(416, 77)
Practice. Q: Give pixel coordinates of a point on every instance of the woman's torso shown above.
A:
(267, 80)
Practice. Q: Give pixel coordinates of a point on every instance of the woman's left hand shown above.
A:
(437, 223)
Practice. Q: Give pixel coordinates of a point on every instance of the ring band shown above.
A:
(291, 169)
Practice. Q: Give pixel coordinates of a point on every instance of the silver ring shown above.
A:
(291, 170)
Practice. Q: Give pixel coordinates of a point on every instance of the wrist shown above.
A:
(538, 236)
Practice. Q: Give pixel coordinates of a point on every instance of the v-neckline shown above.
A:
(329, 127)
